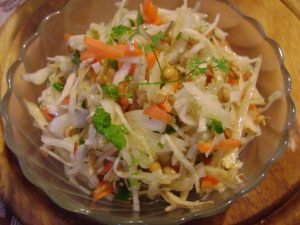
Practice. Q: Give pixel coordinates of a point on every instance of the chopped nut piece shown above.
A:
(155, 166)
(169, 170)
(223, 95)
(170, 73)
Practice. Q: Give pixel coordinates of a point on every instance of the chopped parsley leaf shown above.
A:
(111, 91)
(169, 129)
(160, 145)
(216, 125)
(58, 86)
(123, 194)
(119, 31)
(113, 64)
(178, 36)
(139, 19)
(112, 132)
(81, 141)
(76, 58)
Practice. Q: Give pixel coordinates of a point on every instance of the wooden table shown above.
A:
(275, 201)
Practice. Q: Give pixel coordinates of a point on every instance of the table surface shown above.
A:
(275, 201)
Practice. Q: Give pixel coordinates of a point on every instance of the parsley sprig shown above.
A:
(155, 40)
(221, 64)
(196, 66)
(117, 32)
(215, 125)
(111, 91)
(76, 58)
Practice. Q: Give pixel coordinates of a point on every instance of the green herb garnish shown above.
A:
(119, 31)
(132, 23)
(197, 66)
(94, 34)
(113, 64)
(178, 36)
(221, 64)
(155, 40)
(160, 145)
(113, 133)
(76, 58)
(133, 182)
(215, 125)
(111, 91)
(58, 86)
(81, 141)
(169, 129)
(123, 194)
(139, 19)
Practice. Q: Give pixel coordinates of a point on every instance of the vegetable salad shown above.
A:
(153, 104)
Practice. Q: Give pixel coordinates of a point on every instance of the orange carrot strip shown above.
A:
(208, 181)
(124, 90)
(92, 76)
(47, 114)
(154, 112)
(222, 145)
(166, 106)
(107, 166)
(102, 190)
(151, 60)
(108, 51)
(66, 100)
(91, 53)
(75, 148)
(132, 67)
(151, 12)
(136, 51)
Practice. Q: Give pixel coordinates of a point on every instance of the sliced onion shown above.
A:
(60, 123)
(137, 117)
(121, 73)
(40, 76)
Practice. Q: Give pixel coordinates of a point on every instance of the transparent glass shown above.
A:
(246, 37)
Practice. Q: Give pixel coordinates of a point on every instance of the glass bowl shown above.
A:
(246, 37)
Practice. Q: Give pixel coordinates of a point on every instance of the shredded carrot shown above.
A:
(107, 166)
(151, 13)
(222, 145)
(47, 114)
(66, 100)
(106, 50)
(102, 190)
(132, 67)
(92, 76)
(123, 91)
(136, 51)
(208, 181)
(207, 161)
(151, 60)
(154, 112)
(75, 148)
(166, 106)
(91, 53)
(232, 79)
(253, 107)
